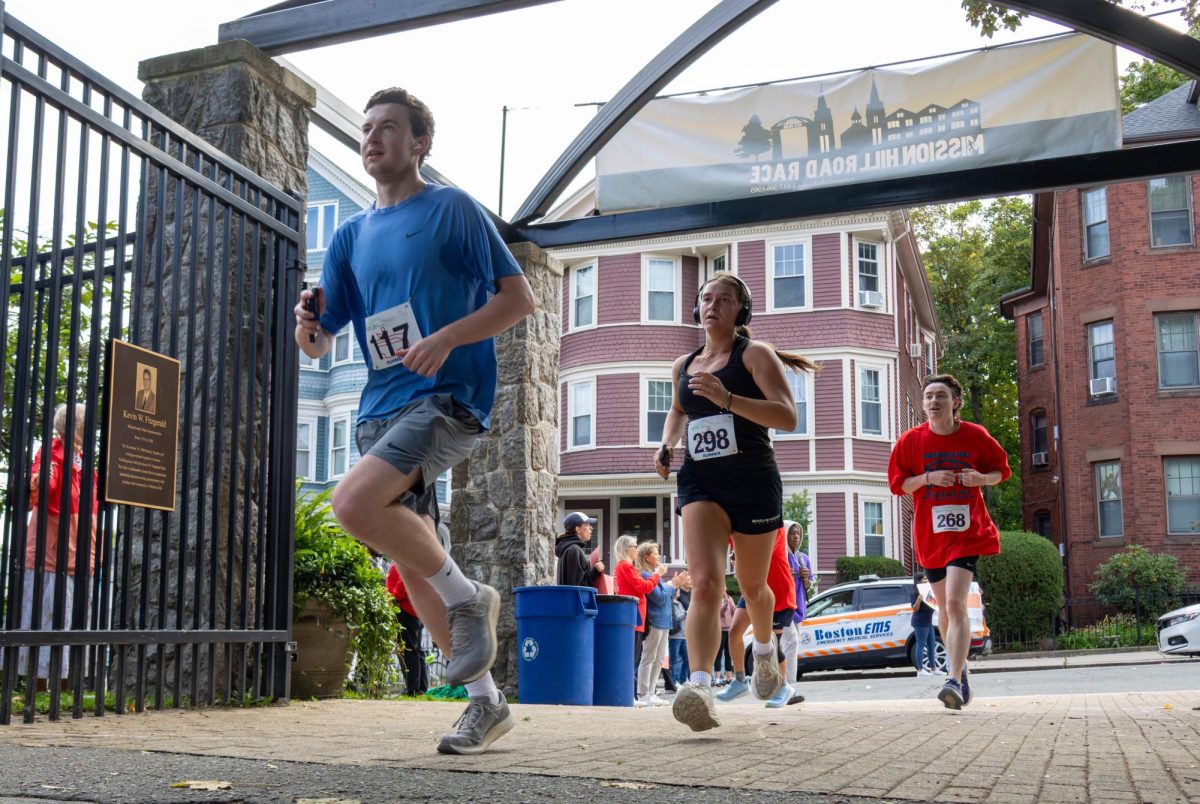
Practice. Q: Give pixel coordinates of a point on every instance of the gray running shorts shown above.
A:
(433, 434)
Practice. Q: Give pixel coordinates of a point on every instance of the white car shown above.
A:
(1179, 632)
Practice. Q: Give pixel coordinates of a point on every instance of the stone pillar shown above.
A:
(503, 506)
(238, 99)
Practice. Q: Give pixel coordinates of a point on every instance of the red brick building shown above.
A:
(850, 293)
(1108, 360)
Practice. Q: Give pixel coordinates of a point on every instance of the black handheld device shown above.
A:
(664, 456)
(313, 305)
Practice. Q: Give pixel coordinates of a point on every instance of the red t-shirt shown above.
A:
(779, 573)
(395, 585)
(948, 522)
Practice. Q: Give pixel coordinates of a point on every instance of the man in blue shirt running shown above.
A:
(426, 282)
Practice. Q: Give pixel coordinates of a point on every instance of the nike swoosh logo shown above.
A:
(410, 234)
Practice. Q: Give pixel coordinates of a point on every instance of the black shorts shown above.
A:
(779, 620)
(753, 501)
(965, 562)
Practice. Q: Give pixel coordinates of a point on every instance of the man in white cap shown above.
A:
(571, 548)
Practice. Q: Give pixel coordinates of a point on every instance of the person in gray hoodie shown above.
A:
(571, 549)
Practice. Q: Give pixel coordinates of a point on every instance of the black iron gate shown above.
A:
(117, 223)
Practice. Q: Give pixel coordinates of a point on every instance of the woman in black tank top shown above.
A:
(726, 395)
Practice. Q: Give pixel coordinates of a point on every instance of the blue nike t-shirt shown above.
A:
(441, 254)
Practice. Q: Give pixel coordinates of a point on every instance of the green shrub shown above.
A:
(331, 566)
(850, 567)
(1117, 631)
(1136, 579)
(1022, 586)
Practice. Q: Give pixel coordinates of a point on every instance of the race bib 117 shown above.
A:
(389, 332)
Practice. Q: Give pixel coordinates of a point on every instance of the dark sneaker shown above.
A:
(694, 707)
(951, 694)
(767, 679)
(966, 688)
(479, 726)
(795, 699)
(473, 636)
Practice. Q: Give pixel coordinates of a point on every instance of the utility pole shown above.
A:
(503, 134)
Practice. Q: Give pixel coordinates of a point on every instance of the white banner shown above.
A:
(1013, 104)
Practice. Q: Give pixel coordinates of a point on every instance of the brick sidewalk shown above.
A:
(1102, 747)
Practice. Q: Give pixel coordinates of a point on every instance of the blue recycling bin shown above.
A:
(555, 644)
(616, 620)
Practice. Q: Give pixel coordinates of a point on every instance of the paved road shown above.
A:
(1115, 678)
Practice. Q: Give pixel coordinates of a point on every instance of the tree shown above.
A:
(974, 253)
(798, 508)
(1138, 581)
(1146, 80)
(990, 17)
(755, 139)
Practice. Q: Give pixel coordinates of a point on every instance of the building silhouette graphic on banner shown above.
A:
(874, 141)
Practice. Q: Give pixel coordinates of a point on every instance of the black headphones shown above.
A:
(744, 313)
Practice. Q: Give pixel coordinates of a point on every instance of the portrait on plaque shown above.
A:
(142, 438)
(146, 398)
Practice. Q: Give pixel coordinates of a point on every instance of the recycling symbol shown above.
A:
(529, 649)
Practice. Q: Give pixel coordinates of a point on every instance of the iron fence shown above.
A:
(1089, 624)
(116, 223)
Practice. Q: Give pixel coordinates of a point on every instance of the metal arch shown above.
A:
(304, 24)
(1113, 23)
(710, 29)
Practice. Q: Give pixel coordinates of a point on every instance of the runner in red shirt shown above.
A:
(780, 582)
(943, 463)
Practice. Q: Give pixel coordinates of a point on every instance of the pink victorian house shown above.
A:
(848, 292)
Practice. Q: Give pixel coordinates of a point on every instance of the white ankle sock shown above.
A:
(763, 648)
(700, 678)
(484, 687)
(451, 585)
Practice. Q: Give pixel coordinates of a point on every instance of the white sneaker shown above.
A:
(924, 672)
(694, 707)
(641, 702)
(656, 701)
(937, 671)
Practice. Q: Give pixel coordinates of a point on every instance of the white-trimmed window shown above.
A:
(1095, 223)
(870, 401)
(660, 284)
(581, 418)
(798, 381)
(339, 446)
(313, 363)
(320, 224)
(1182, 476)
(343, 350)
(1178, 356)
(1109, 511)
(719, 264)
(789, 275)
(1102, 360)
(583, 297)
(871, 521)
(656, 402)
(306, 438)
(870, 284)
(1170, 205)
(442, 488)
(1034, 328)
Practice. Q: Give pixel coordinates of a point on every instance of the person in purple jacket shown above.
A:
(801, 568)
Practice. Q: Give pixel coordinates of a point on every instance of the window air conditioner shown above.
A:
(1103, 386)
(870, 298)
(1040, 459)
(914, 350)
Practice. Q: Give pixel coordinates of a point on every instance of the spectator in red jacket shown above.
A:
(412, 655)
(628, 581)
(49, 569)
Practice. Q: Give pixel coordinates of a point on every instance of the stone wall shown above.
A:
(503, 506)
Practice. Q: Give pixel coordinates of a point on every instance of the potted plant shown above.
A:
(340, 607)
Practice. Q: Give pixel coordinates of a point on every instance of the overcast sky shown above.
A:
(539, 61)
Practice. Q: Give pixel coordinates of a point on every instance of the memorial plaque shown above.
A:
(142, 438)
